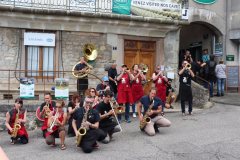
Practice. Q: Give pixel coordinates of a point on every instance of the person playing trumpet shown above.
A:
(106, 112)
(11, 116)
(185, 90)
(156, 121)
(57, 125)
(82, 83)
(93, 133)
(45, 109)
(137, 89)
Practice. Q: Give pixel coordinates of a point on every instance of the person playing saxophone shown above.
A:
(156, 121)
(15, 120)
(172, 97)
(93, 133)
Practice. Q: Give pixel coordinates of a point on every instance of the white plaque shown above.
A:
(170, 75)
(39, 39)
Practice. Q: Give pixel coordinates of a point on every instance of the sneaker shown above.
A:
(119, 120)
(111, 137)
(95, 145)
(218, 95)
(134, 115)
(222, 94)
(128, 120)
(171, 107)
(191, 114)
(155, 128)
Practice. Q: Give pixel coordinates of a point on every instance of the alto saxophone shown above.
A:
(16, 126)
(146, 118)
(46, 111)
(82, 130)
(169, 97)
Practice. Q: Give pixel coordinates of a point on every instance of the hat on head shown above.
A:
(123, 65)
(105, 79)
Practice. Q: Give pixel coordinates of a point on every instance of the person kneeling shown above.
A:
(91, 124)
(172, 97)
(56, 122)
(156, 121)
(106, 112)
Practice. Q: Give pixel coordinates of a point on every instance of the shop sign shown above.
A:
(39, 39)
(230, 58)
(205, 1)
(196, 44)
(218, 49)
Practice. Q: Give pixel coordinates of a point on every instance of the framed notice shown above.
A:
(232, 81)
(39, 39)
(26, 87)
(61, 88)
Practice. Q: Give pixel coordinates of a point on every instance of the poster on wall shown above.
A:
(61, 88)
(26, 87)
(218, 49)
(149, 8)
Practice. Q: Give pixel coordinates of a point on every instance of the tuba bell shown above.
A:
(144, 67)
(90, 52)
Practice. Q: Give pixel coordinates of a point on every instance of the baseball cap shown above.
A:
(123, 65)
(105, 79)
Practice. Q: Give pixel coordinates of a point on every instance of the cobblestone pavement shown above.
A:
(210, 134)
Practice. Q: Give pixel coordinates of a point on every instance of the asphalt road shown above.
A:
(210, 134)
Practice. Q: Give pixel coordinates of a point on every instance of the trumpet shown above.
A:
(116, 115)
(119, 109)
(188, 66)
(53, 122)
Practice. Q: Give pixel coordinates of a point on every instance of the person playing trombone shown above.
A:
(56, 122)
(106, 112)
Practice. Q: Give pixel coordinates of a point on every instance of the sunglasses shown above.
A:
(89, 102)
(58, 106)
(92, 91)
(158, 68)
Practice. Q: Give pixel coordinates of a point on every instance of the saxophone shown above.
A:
(16, 126)
(82, 131)
(169, 97)
(46, 111)
(146, 118)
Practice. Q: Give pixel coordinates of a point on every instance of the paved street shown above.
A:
(210, 134)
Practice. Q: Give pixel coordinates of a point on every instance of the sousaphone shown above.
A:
(90, 53)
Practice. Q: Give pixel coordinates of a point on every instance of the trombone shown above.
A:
(116, 115)
(119, 109)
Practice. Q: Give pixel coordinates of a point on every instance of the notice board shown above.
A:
(232, 80)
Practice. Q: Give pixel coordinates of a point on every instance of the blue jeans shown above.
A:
(211, 87)
(115, 96)
(220, 85)
(127, 108)
(23, 139)
(133, 107)
(162, 106)
(189, 108)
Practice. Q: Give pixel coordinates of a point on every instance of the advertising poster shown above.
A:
(61, 88)
(26, 87)
(218, 49)
(149, 8)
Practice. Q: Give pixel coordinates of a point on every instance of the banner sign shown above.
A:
(26, 87)
(218, 49)
(148, 8)
(196, 44)
(205, 1)
(39, 39)
(229, 57)
(61, 88)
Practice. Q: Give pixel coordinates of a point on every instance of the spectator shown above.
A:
(187, 57)
(196, 68)
(205, 56)
(220, 71)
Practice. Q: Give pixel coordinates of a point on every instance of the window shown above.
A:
(40, 58)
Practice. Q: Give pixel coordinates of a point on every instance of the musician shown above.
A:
(93, 134)
(10, 120)
(156, 121)
(112, 73)
(43, 109)
(82, 83)
(94, 93)
(106, 112)
(124, 91)
(159, 81)
(58, 126)
(170, 90)
(104, 85)
(140, 65)
(72, 106)
(185, 91)
(137, 89)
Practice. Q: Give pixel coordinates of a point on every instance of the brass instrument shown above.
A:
(90, 53)
(119, 109)
(146, 118)
(147, 81)
(82, 130)
(46, 111)
(116, 115)
(169, 97)
(53, 122)
(145, 68)
(188, 66)
(16, 126)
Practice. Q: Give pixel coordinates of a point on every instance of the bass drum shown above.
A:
(38, 115)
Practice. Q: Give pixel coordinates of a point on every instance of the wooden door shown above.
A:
(140, 51)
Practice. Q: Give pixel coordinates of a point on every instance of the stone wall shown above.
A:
(200, 95)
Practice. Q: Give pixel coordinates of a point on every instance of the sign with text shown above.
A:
(196, 44)
(26, 87)
(39, 39)
(148, 8)
(218, 49)
(232, 73)
(184, 13)
(229, 57)
(61, 88)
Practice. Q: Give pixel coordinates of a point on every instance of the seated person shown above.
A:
(173, 97)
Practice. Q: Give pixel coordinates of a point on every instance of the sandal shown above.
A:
(63, 147)
(53, 144)
(183, 114)
(162, 114)
(12, 142)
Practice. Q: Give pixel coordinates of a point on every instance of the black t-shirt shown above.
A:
(146, 103)
(185, 78)
(195, 67)
(212, 65)
(169, 89)
(50, 105)
(112, 73)
(80, 66)
(104, 108)
(70, 104)
(100, 87)
(186, 59)
(93, 116)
